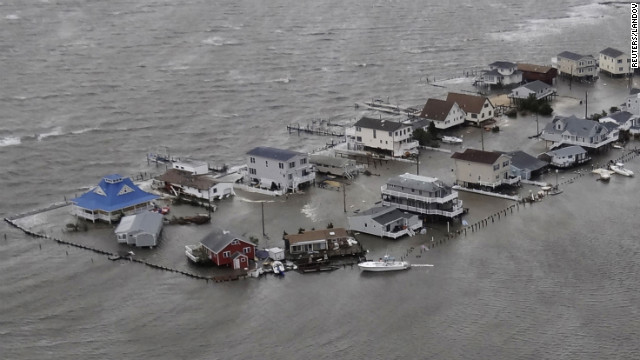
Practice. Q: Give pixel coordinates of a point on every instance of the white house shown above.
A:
(388, 136)
(421, 195)
(334, 165)
(194, 167)
(614, 62)
(501, 73)
(576, 65)
(443, 113)
(632, 104)
(142, 229)
(624, 120)
(183, 183)
(539, 89)
(566, 157)
(384, 221)
(316, 240)
(477, 108)
(279, 169)
(571, 130)
(488, 169)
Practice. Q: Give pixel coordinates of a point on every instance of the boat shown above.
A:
(451, 140)
(386, 263)
(605, 176)
(555, 191)
(278, 267)
(619, 168)
(616, 146)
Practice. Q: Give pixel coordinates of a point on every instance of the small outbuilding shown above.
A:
(385, 221)
(142, 229)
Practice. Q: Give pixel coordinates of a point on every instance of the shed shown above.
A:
(276, 253)
(141, 229)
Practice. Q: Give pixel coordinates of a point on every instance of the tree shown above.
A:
(613, 109)
(545, 109)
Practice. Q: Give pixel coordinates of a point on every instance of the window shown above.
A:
(235, 242)
(290, 177)
(358, 128)
(390, 133)
(486, 105)
(496, 167)
(252, 160)
(303, 161)
(505, 164)
(215, 190)
(252, 171)
(266, 163)
(246, 250)
(292, 165)
(243, 259)
(619, 69)
(374, 133)
(226, 254)
(359, 138)
(474, 116)
(619, 61)
(281, 165)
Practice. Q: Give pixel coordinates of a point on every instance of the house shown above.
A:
(334, 165)
(421, 195)
(142, 229)
(566, 157)
(624, 120)
(501, 73)
(183, 183)
(418, 123)
(531, 72)
(194, 167)
(540, 90)
(488, 169)
(444, 114)
(385, 221)
(576, 65)
(279, 169)
(477, 108)
(571, 130)
(632, 104)
(525, 166)
(614, 62)
(226, 249)
(315, 240)
(114, 197)
(390, 137)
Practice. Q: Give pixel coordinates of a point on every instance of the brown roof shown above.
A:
(534, 68)
(317, 235)
(479, 156)
(436, 109)
(179, 177)
(468, 103)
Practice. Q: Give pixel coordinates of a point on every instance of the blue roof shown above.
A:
(273, 153)
(114, 192)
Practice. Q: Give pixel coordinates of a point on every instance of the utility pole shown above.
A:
(586, 94)
(481, 135)
(344, 197)
(418, 162)
(537, 126)
(262, 207)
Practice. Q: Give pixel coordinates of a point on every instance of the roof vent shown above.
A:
(332, 233)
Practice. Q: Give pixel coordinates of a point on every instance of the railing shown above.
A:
(455, 211)
(440, 200)
(509, 181)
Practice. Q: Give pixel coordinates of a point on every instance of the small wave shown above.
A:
(12, 17)
(282, 80)
(10, 140)
(218, 41)
(55, 132)
(82, 131)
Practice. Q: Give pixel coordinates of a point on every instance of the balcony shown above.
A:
(455, 210)
(439, 200)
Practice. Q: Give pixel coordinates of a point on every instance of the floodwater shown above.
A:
(90, 87)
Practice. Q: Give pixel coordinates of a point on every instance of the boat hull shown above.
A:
(377, 266)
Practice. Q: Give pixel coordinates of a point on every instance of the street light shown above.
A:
(556, 178)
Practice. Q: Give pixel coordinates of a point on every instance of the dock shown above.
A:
(386, 107)
(313, 130)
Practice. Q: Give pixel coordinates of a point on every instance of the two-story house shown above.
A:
(624, 120)
(632, 103)
(576, 65)
(501, 73)
(443, 113)
(484, 169)
(533, 72)
(279, 169)
(390, 137)
(477, 108)
(614, 62)
(421, 195)
(570, 130)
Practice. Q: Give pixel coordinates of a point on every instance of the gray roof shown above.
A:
(273, 153)
(621, 117)
(634, 91)
(569, 150)
(391, 216)
(522, 160)
(571, 55)
(536, 86)
(416, 182)
(330, 160)
(576, 126)
(218, 239)
(492, 72)
(503, 64)
(379, 124)
(420, 124)
(146, 221)
(614, 53)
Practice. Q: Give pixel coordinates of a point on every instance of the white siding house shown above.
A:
(501, 73)
(390, 137)
(444, 114)
(183, 183)
(191, 166)
(273, 168)
(571, 130)
(485, 169)
(536, 88)
(614, 62)
(477, 108)
(142, 229)
(384, 221)
(632, 104)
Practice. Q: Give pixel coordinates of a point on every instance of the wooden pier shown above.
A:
(313, 130)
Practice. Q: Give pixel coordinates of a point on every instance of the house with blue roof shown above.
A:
(114, 197)
(279, 169)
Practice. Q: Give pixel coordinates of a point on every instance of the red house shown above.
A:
(225, 248)
(531, 72)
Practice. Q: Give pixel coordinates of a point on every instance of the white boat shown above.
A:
(615, 146)
(619, 168)
(605, 176)
(386, 263)
(278, 267)
(451, 140)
